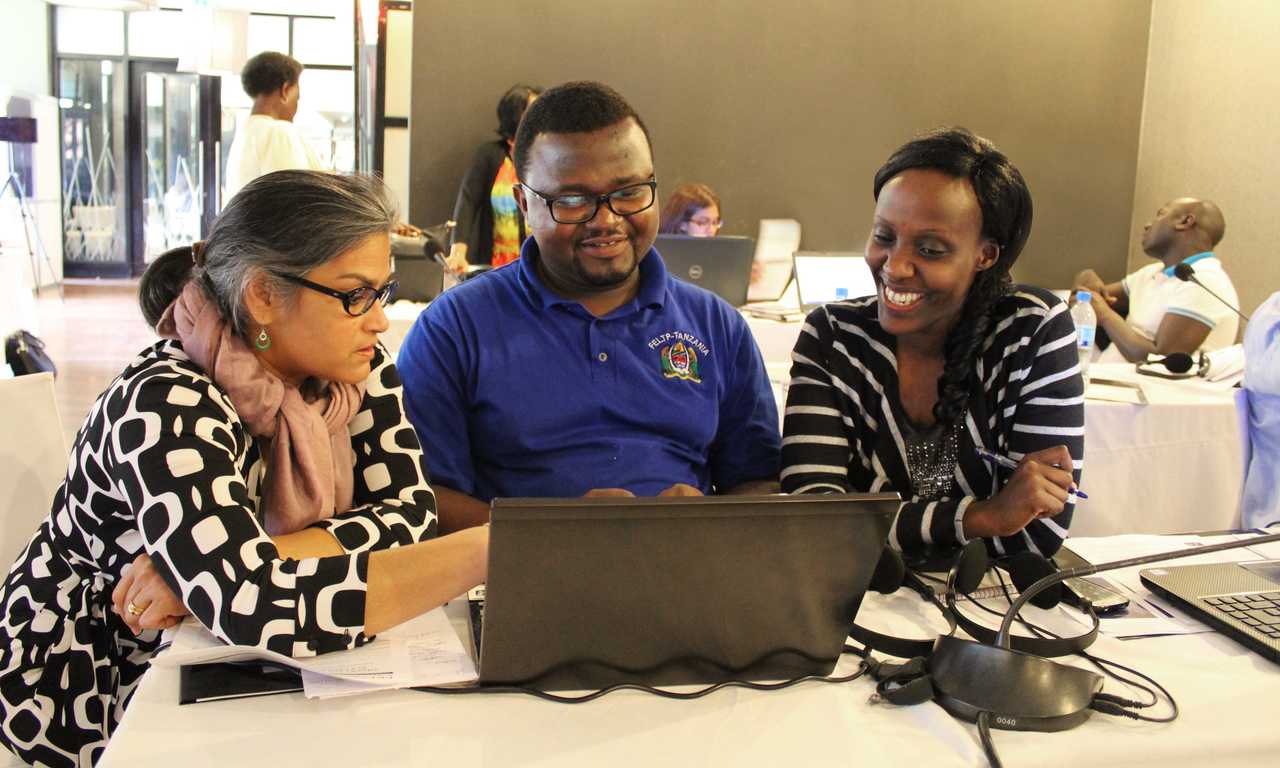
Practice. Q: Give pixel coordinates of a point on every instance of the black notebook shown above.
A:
(213, 682)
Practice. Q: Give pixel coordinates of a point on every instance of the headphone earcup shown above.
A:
(890, 572)
(1026, 568)
(970, 567)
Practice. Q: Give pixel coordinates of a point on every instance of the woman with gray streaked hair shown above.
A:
(254, 469)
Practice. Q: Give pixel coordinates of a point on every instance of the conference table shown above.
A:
(1172, 465)
(1226, 696)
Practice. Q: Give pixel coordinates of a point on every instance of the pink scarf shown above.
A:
(310, 463)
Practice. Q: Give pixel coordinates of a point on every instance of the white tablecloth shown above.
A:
(1226, 695)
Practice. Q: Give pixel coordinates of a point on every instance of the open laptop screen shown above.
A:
(826, 277)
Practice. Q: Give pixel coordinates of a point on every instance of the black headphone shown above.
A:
(1025, 568)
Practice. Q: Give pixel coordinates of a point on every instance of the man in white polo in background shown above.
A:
(1152, 311)
(269, 141)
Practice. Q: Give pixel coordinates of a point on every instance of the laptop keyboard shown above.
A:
(1257, 610)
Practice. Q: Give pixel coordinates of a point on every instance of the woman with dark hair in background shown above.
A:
(899, 391)
(692, 209)
(254, 469)
(488, 229)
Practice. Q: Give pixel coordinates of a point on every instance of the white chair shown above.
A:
(33, 459)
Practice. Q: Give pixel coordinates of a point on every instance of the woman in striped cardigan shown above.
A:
(901, 390)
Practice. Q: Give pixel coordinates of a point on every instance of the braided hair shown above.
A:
(1005, 203)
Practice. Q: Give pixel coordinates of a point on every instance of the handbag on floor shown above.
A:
(25, 354)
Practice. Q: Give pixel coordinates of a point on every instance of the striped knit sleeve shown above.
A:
(1046, 410)
(815, 446)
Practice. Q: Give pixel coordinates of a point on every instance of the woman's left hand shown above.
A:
(144, 600)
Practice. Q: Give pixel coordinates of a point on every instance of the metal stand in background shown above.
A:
(28, 220)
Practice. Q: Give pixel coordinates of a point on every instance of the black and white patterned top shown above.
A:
(844, 424)
(164, 465)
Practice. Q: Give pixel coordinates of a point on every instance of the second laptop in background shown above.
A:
(722, 265)
(821, 278)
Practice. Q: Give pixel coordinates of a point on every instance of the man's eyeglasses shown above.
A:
(580, 208)
(356, 301)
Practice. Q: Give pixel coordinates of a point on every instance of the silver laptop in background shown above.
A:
(587, 593)
(821, 278)
(721, 265)
(1240, 600)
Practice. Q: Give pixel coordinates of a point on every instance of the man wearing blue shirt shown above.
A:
(584, 368)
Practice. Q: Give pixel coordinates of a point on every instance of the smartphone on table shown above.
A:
(1107, 599)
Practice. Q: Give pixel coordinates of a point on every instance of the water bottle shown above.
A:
(1086, 323)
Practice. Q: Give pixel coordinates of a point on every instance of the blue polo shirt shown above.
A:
(516, 391)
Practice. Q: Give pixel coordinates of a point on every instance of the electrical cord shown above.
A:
(1105, 666)
(662, 692)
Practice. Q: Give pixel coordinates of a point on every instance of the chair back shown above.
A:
(33, 459)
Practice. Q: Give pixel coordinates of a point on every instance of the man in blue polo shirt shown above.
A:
(584, 367)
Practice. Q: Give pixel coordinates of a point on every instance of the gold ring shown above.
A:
(133, 609)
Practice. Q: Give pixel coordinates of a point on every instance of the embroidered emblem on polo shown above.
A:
(680, 362)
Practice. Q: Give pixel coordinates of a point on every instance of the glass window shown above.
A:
(90, 97)
(266, 33)
(327, 90)
(325, 116)
(156, 34)
(86, 30)
(323, 41)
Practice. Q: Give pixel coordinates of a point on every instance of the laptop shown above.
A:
(587, 593)
(722, 265)
(1240, 600)
(776, 244)
(821, 278)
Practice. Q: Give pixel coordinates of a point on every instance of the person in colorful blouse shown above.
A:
(489, 228)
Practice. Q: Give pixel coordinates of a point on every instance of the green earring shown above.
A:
(263, 342)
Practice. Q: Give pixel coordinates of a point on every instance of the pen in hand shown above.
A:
(1008, 463)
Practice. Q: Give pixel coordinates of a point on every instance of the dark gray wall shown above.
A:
(787, 109)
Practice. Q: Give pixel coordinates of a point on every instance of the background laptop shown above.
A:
(587, 593)
(822, 277)
(722, 265)
(826, 277)
(1240, 600)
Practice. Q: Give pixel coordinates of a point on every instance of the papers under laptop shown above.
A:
(821, 278)
(587, 593)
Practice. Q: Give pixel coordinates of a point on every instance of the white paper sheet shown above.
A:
(422, 651)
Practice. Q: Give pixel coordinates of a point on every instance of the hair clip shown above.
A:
(197, 253)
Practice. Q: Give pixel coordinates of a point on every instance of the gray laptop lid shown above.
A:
(586, 593)
(722, 265)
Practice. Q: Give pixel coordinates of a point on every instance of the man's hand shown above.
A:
(144, 600)
(457, 259)
(1038, 488)
(1090, 281)
(617, 493)
(681, 489)
(405, 229)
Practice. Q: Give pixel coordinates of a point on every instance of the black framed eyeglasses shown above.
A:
(356, 301)
(579, 208)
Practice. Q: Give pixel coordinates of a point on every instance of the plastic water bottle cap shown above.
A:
(1084, 296)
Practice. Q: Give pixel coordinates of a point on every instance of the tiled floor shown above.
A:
(91, 333)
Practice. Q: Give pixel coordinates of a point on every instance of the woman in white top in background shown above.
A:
(269, 141)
